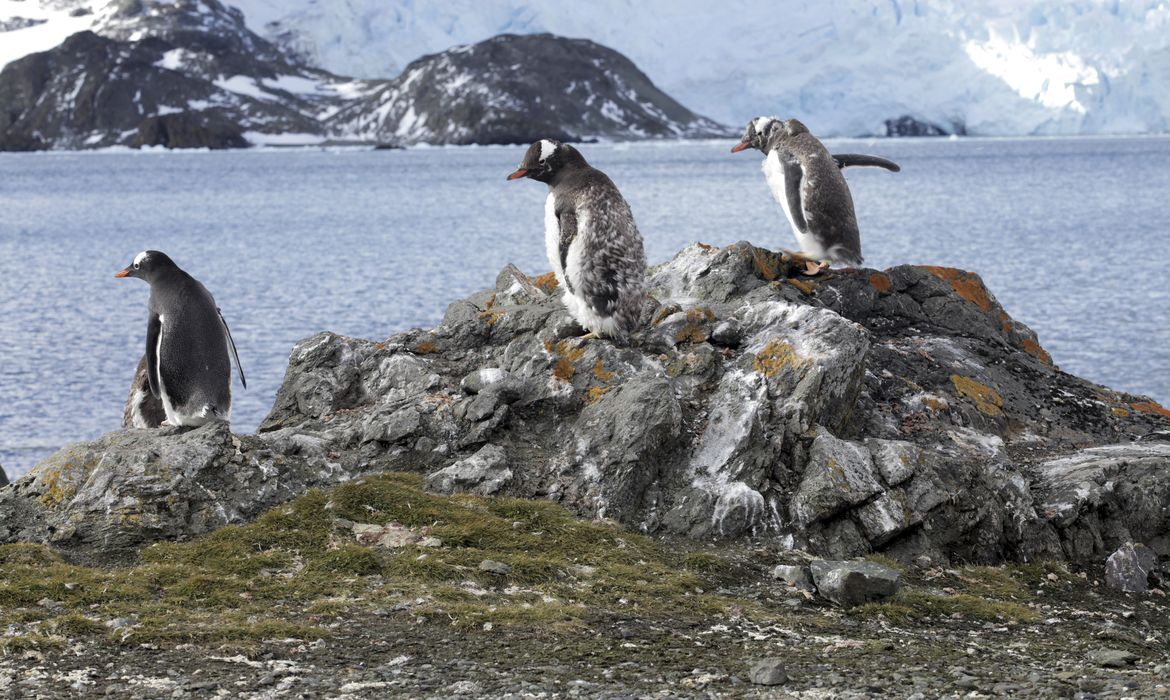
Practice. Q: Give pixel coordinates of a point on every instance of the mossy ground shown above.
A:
(583, 600)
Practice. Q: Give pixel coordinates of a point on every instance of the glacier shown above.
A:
(985, 67)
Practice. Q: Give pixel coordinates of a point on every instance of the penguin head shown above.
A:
(546, 159)
(147, 266)
(758, 133)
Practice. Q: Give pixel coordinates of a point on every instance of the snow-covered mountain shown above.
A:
(512, 88)
(191, 73)
(843, 66)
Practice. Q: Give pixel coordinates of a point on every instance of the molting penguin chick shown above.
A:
(807, 182)
(187, 344)
(592, 242)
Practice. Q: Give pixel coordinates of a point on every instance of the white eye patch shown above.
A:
(140, 258)
(546, 149)
(762, 123)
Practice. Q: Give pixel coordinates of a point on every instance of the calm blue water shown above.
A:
(1070, 234)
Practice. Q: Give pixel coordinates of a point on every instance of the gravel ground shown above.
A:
(1085, 642)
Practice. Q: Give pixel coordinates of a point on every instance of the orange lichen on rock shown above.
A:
(566, 355)
(775, 356)
(601, 372)
(881, 282)
(1151, 407)
(806, 287)
(594, 393)
(1119, 412)
(767, 263)
(547, 282)
(965, 284)
(491, 314)
(986, 399)
(1033, 348)
(426, 347)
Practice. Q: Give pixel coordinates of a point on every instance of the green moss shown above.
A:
(245, 583)
(918, 605)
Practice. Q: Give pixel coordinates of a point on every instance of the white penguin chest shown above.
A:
(774, 173)
(552, 238)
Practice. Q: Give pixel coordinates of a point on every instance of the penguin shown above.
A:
(591, 240)
(187, 344)
(143, 409)
(807, 182)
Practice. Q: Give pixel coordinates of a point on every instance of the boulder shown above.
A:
(850, 583)
(899, 411)
(1128, 569)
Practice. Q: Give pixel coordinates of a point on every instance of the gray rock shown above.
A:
(3, 477)
(838, 474)
(1128, 568)
(482, 378)
(792, 575)
(768, 671)
(495, 567)
(483, 473)
(852, 583)
(1112, 658)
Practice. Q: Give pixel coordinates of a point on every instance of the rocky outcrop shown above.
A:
(3, 477)
(901, 411)
(907, 125)
(518, 89)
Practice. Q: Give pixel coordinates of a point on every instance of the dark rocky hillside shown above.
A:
(517, 89)
(192, 76)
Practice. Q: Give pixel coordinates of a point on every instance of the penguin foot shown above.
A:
(813, 268)
(591, 335)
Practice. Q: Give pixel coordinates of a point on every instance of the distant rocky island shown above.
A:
(192, 75)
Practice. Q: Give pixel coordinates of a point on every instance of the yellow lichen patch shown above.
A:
(601, 372)
(594, 393)
(61, 483)
(965, 284)
(426, 347)
(1033, 348)
(986, 399)
(566, 355)
(690, 333)
(775, 356)
(1150, 407)
(547, 282)
(1119, 412)
(881, 282)
(491, 314)
(934, 404)
(698, 314)
(767, 263)
(806, 287)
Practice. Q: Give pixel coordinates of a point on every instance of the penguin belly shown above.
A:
(774, 173)
(579, 307)
(552, 239)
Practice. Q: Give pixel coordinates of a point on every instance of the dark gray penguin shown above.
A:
(187, 344)
(807, 182)
(592, 242)
(143, 409)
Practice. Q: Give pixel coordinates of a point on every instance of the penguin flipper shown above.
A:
(232, 344)
(153, 332)
(858, 160)
(793, 179)
(567, 220)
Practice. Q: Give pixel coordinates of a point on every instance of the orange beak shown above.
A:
(518, 174)
(742, 145)
(123, 273)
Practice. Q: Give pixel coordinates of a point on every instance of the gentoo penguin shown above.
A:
(187, 344)
(807, 182)
(143, 409)
(592, 242)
